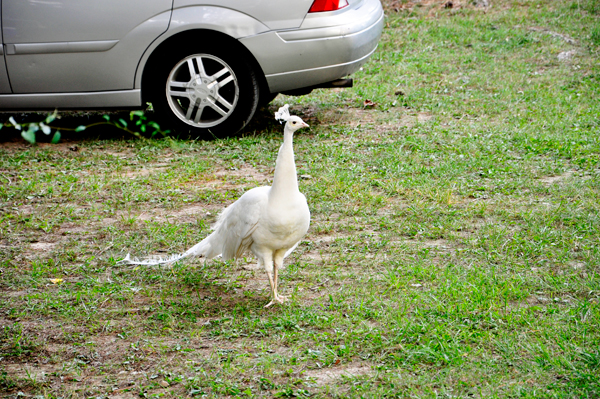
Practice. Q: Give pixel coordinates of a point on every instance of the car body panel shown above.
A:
(281, 82)
(218, 19)
(4, 83)
(98, 47)
(344, 41)
(230, 22)
(274, 14)
(359, 16)
(91, 100)
(35, 21)
(60, 47)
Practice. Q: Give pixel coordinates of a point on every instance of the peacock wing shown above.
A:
(239, 221)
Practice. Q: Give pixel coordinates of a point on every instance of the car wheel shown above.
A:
(205, 93)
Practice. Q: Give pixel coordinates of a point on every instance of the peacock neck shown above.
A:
(285, 181)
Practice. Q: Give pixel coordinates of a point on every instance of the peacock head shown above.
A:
(294, 123)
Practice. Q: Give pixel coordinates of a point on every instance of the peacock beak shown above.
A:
(304, 124)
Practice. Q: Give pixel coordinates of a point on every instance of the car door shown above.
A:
(54, 46)
(4, 85)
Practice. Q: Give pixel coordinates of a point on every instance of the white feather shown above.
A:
(283, 114)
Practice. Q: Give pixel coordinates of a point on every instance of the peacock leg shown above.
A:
(273, 290)
(268, 265)
(278, 265)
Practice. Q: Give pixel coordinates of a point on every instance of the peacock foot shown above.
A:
(277, 299)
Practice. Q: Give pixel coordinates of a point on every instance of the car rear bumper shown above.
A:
(327, 46)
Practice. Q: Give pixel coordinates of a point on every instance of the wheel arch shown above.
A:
(187, 36)
(209, 23)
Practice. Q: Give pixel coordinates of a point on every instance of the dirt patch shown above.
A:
(424, 117)
(564, 37)
(440, 244)
(354, 117)
(435, 5)
(329, 375)
(37, 373)
(320, 246)
(125, 153)
(185, 214)
(566, 55)
(13, 294)
(234, 178)
(145, 172)
(134, 363)
(550, 180)
(43, 246)
(244, 170)
(73, 228)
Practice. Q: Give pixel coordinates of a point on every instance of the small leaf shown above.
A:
(45, 128)
(107, 117)
(14, 123)
(81, 128)
(51, 117)
(123, 122)
(29, 136)
(55, 138)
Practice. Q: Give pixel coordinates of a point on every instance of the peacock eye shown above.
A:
(293, 123)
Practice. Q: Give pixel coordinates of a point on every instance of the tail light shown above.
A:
(327, 5)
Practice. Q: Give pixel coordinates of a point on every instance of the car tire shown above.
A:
(205, 92)
(266, 98)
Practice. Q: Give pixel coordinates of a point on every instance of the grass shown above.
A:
(453, 249)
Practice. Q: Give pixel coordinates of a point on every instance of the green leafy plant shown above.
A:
(29, 130)
(138, 125)
(136, 118)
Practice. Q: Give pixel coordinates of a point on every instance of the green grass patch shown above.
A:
(453, 248)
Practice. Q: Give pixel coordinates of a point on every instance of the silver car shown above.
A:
(204, 65)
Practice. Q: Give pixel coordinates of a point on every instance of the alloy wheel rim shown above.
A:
(202, 90)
